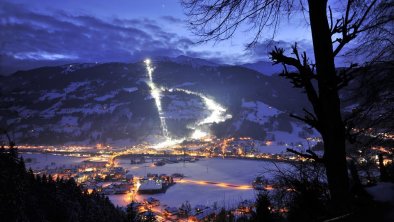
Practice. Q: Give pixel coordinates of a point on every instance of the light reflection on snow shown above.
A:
(168, 143)
(219, 184)
(218, 112)
(198, 134)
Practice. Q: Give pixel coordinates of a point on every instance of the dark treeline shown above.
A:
(26, 197)
(301, 194)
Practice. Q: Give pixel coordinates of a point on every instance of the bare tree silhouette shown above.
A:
(333, 26)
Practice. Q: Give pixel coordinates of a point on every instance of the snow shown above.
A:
(68, 124)
(74, 67)
(50, 161)
(176, 109)
(250, 104)
(119, 200)
(90, 108)
(150, 185)
(85, 96)
(69, 120)
(272, 149)
(256, 111)
(51, 96)
(120, 142)
(284, 140)
(182, 85)
(107, 96)
(262, 109)
(74, 85)
(232, 171)
(130, 89)
(51, 111)
(23, 112)
(383, 192)
(289, 137)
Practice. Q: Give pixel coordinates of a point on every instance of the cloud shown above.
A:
(173, 20)
(30, 39)
(42, 56)
(29, 36)
(262, 49)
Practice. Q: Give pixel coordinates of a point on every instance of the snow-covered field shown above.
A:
(230, 171)
(38, 161)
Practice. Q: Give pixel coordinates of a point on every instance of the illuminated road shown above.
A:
(219, 184)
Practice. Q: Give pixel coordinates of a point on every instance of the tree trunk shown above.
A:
(328, 107)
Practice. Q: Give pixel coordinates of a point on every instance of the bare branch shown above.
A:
(302, 79)
(218, 19)
(350, 29)
(308, 120)
(311, 156)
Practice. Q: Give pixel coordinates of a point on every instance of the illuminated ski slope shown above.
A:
(218, 112)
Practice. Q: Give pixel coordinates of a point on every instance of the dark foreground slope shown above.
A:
(25, 197)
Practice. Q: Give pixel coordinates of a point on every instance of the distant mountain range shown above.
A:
(111, 102)
(266, 68)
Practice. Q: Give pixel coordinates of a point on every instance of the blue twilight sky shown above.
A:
(49, 32)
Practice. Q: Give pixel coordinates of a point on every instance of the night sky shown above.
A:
(47, 32)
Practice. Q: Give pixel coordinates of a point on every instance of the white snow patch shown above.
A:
(69, 120)
(92, 109)
(130, 89)
(257, 112)
(107, 96)
(182, 85)
(263, 110)
(74, 85)
(51, 96)
(38, 161)
(74, 67)
(237, 172)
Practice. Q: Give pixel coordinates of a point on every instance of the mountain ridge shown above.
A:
(107, 102)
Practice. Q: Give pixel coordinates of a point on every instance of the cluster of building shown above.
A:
(95, 176)
(242, 147)
(151, 207)
(154, 183)
(161, 160)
